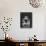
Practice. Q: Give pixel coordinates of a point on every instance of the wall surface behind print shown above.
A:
(12, 8)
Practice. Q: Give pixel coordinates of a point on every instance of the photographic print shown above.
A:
(26, 19)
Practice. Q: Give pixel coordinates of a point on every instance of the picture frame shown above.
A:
(26, 19)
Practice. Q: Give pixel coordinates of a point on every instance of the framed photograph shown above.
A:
(26, 19)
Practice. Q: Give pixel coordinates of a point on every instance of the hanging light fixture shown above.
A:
(36, 3)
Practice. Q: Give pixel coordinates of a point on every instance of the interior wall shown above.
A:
(12, 8)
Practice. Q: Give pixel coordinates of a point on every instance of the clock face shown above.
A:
(35, 3)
